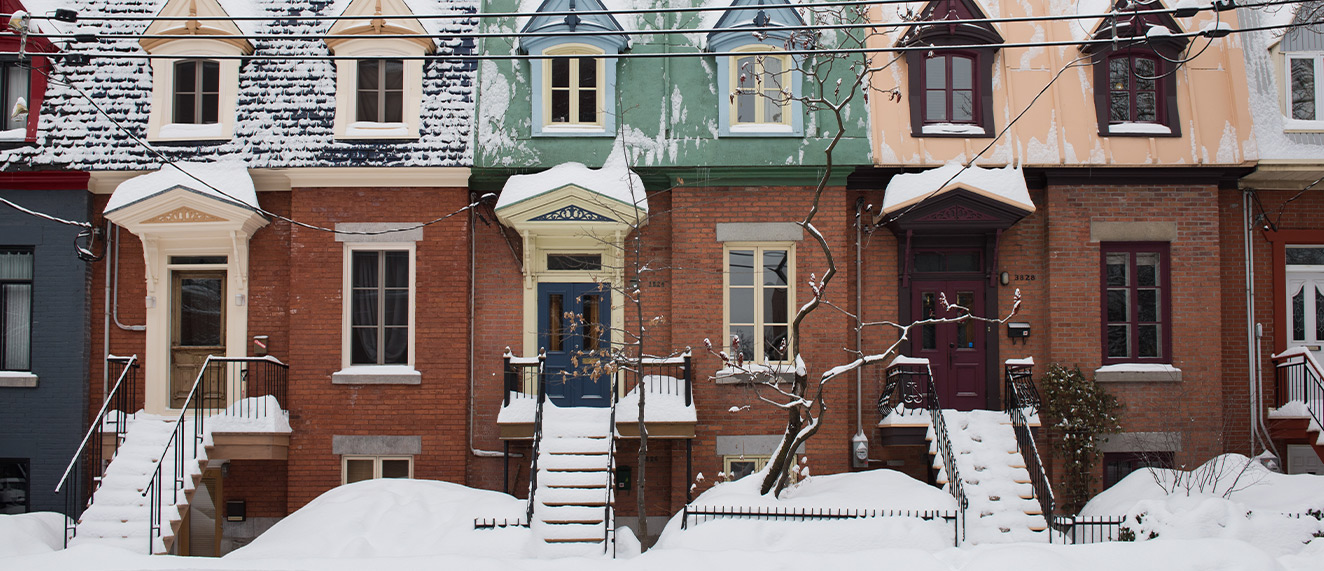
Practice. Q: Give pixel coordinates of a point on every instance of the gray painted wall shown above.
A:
(45, 423)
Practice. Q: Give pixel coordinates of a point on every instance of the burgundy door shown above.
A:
(955, 351)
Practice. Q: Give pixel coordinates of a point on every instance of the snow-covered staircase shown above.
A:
(993, 474)
(120, 514)
(572, 501)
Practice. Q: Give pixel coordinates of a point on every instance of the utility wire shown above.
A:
(43, 215)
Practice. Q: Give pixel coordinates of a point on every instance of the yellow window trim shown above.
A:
(573, 52)
(758, 287)
(761, 104)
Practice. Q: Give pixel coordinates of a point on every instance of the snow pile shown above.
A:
(393, 518)
(871, 490)
(225, 180)
(993, 474)
(31, 533)
(665, 402)
(253, 414)
(1228, 497)
(614, 182)
(1005, 185)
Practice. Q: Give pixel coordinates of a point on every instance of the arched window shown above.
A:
(197, 92)
(950, 89)
(762, 87)
(1134, 93)
(573, 90)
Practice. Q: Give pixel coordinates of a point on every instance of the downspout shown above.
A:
(473, 267)
(116, 311)
(1252, 357)
(859, 457)
(112, 310)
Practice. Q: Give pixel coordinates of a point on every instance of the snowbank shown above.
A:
(31, 533)
(393, 518)
(871, 490)
(1229, 497)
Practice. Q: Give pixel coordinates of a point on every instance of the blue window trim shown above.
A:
(608, 94)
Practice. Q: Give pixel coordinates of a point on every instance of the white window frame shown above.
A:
(759, 248)
(160, 120)
(761, 102)
(347, 125)
(1316, 124)
(574, 52)
(347, 286)
(376, 465)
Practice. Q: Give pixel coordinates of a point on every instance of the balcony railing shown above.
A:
(1299, 379)
(906, 389)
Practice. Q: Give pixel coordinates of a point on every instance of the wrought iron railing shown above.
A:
(660, 375)
(89, 462)
(1021, 392)
(1023, 397)
(1298, 378)
(523, 376)
(694, 515)
(516, 369)
(608, 513)
(905, 389)
(944, 445)
(246, 377)
(1081, 530)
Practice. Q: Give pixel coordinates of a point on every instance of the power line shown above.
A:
(43, 215)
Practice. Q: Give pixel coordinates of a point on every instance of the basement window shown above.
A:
(359, 468)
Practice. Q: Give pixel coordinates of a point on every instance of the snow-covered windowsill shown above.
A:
(375, 130)
(17, 134)
(751, 373)
(18, 379)
(1139, 129)
(191, 132)
(377, 375)
(1302, 126)
(760, 130)
(953, 129)
(1137, 373)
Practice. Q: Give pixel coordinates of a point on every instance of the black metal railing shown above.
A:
(608, 512)
(493, 523)
(88, 464)
(540, 394)
(944, 445)
(905, 390)
(1021, 392)
(523, 376)
(660, 375)
(1043, 490)
(1081, 530)
(1298, 379)
(694, 515)
(247, 377)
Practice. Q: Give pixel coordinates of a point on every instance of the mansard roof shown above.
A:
(950, 26)
(612, 36)
(745, 17)
(285, 108)
(1131, 24)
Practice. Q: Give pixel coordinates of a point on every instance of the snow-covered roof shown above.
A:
(227, 181)
(285, 108)
(1277, 135)
(614, 181)
(1005, 185)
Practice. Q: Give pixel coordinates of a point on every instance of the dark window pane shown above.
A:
(774, 343)
(369, 75)
(588, 72)
(395, 468)
(559, 262)
(365, 269)
(1119, 110)
(592, 324)
(1303, 89)
(1119, 74)
(185, 105)
(16, 316)
(1118, 263)
(741, 267)
(561, 106)
(15, 486)
(1118, 306)
(211, 77)
(928, 335)
(742, 305)
(963, 262)
(363, 308)
(363, 345)
(367, 107)
(1148, 305)
(588, 106)
(935, 73)
(397, 346)
(774, 305)
(396, 310)
(1146, 107)
(211, 105)
(928, 262)
(1149, 336)
(1147, 269)
(358, 470)
(774, 267)
(397, 269)
(1145, 67)
(740, 469)
(1299, 315)
(1118, 343)
(395, 107)
(200, 311)
(745, 335)
(1305, 256)
(394, 74)
(964, 336)
(186, 76)
(555, 317)
(560, 72)
(1319, 315)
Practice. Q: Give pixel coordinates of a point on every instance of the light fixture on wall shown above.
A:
(1004, 278)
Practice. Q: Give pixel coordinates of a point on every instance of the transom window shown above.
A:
(758, 302)
(15, 309)
(1134, 94)
(949, 89)
(762, 88)
(574, 87)
(197, 92)
(379, 307)
(381, 90)
(359, 468)
(1135, 302)
(1303, 87)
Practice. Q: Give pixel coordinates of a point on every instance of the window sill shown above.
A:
(953, 129)
(18, 379)
(786, 374)
(1137, 373)
(573, 131)
(1139, 130)
(377, 375)
(374, 130)
(761, 130)
(191, 132)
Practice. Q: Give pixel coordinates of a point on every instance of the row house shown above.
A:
(363, 253)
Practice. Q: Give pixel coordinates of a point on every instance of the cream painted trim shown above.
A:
(213, 23)
(376, 465)
(347, 83)
(345, 287)
(571, 50)
(758, 247)
(761, 103)
(610, 245)
(163, 81)
(105, 182)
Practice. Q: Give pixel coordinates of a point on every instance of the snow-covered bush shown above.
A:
(1078, 413)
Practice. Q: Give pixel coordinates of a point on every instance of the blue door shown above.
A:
(574, 323)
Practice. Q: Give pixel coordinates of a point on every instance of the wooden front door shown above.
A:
(956, 351)
(574, 321)
(197, 328)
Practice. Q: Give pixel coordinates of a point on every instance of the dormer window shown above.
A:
(759, 85)
(197, 92)
(1135, 91)
(574, 94)
(381, 93)
(193, 98)
(574, 83)
(951, 90)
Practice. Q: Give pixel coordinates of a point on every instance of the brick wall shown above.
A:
(262, 484)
